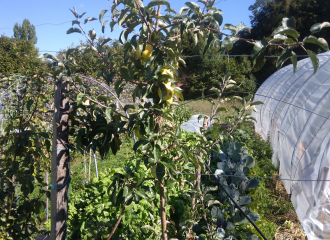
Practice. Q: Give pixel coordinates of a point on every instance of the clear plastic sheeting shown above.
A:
(295, 119)
(317, 221)
(193, 125)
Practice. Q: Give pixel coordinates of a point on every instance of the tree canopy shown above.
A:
(26, 31)
(267, 15)
(89, 64)
(12, 52)
(196, 76)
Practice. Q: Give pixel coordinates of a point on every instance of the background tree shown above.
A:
(267, 15)
(199, 71)
(10, 49)
(26, 31)
(89, 64)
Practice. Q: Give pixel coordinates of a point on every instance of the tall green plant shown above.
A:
(24, 153)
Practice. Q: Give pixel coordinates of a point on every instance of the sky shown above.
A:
(53, 18)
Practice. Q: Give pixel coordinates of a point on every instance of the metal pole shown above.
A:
(95, 163)
(211, 113)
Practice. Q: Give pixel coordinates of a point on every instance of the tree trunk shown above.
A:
(162, 210)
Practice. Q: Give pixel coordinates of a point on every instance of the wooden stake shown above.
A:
(46, 198)
(89, 165)
(60, 162)
(85, 165)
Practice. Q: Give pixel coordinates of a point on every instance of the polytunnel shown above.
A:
(295, 119)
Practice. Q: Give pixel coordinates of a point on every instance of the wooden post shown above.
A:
(85, 165)
(46, 198)
(60, 162)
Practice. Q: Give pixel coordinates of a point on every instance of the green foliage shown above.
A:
(93, 215)
(260, 149)
(10, 51)
(24, 153)
(273, 205)
(26, 31)
(95, 207)
(88, 61)
(213, 215)
(267, 15)
(182, 113)
(167, 164)
(91, 208)
(198, 71)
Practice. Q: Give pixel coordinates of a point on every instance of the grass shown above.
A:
(203, 106)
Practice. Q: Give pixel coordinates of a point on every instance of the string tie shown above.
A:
(59, 149)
